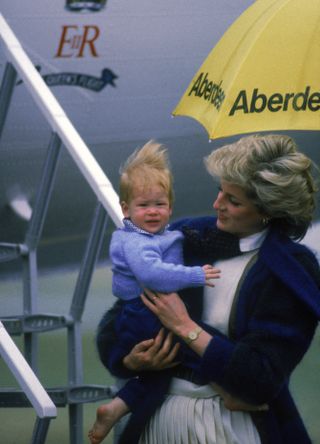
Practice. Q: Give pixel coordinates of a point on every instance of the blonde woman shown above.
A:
(251, 330)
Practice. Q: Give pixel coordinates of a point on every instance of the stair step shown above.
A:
(17, 325)
(9, 252)
(61, 396)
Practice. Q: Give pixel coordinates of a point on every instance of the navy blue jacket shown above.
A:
(271, 328)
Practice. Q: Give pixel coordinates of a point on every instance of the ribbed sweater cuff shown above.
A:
(198, 276)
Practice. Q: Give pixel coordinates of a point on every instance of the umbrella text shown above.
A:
(208, 90)
(300, 101)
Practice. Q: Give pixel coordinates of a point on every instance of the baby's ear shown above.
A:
(125, 208)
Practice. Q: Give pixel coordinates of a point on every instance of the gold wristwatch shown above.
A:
(193, 335)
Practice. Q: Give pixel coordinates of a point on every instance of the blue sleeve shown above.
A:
(195, 223)
(151, 272)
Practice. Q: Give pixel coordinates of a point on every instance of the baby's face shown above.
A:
(149, 209)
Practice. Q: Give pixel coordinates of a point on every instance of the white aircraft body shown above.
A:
(117, 69)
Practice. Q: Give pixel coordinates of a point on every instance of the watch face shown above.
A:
(192, 335)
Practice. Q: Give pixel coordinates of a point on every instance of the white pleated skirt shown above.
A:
(194, 414)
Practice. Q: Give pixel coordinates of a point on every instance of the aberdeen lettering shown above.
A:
(208, 90)
(259, 102)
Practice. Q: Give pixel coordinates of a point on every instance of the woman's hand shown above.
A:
(236, 404)
(172, 313)
(153, 354)
(169, 308)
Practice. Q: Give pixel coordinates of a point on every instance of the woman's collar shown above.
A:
(253, 242)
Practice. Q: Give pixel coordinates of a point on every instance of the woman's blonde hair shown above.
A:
(145, 167)
(275, 176)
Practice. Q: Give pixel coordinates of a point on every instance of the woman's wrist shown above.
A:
(195, 337)
(184, 330)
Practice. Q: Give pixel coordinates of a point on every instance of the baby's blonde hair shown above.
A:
(145, 167)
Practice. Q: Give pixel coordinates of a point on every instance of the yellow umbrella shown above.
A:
(264, 73)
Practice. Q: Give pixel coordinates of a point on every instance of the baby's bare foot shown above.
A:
(104, 422)
(107, 416)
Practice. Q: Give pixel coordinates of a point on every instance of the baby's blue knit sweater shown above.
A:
(145, 260)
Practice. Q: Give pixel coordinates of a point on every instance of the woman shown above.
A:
(256, 323)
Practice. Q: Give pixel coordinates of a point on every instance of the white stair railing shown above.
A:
(29, 383)
(26, 378)
(60, 123)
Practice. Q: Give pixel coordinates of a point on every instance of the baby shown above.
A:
(144, 254)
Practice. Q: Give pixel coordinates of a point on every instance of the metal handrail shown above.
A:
(60, 123)
(25, 376)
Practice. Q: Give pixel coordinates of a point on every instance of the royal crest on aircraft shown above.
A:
(85, 5)
(93, 83)
(82, 80)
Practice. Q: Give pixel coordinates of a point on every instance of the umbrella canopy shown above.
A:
(264, 73)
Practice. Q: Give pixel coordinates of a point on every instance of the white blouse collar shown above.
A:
(253, 242)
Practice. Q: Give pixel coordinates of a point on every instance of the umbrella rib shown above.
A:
(245, 36)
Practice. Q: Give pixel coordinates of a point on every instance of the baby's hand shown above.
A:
(210, 273)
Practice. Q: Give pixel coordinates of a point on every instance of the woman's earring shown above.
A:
(265, 221)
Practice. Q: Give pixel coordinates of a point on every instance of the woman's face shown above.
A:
(236, 213)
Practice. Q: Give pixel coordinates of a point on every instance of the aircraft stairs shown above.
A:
(31, 322)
